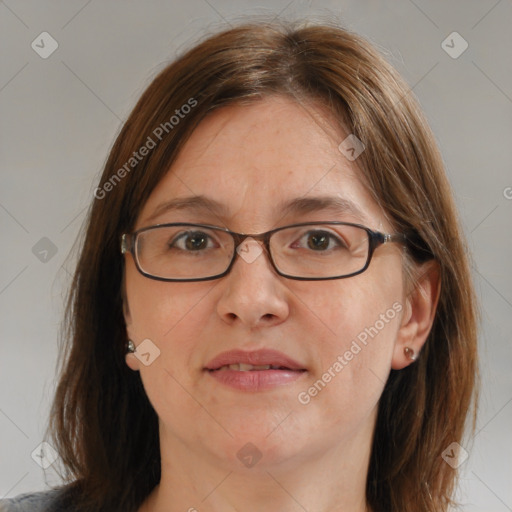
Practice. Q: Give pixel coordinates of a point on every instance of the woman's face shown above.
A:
(252, 160)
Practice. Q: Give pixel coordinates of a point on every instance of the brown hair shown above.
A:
(102, 423)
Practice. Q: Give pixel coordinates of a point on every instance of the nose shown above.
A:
(254, 295)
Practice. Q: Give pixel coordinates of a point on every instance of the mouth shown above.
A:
(255, 371)
(258, 360)
(244, 367)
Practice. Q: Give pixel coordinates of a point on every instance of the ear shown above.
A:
(419, 313)
(132, 362)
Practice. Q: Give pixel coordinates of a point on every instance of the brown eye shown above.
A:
(318, 240)
(196, 241)
(321, 241)
(191, 241)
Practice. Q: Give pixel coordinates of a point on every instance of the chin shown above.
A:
(260, 445)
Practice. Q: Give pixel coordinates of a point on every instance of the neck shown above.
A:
(333, 481)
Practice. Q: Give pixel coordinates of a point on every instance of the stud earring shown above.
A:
(130, 346)
(409, 353)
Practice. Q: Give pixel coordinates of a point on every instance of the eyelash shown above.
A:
(332, 238)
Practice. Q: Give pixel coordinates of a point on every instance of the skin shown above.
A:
(314, 456)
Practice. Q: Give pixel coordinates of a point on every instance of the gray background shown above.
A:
(59, 117)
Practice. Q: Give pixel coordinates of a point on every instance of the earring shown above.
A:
(409, 352)
(130, 346)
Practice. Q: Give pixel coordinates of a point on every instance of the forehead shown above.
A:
(254, 160)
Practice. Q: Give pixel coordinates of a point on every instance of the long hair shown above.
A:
(101, 421)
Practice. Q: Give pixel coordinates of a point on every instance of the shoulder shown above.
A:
(42, 501)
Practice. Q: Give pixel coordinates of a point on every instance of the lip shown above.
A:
(255, 380)
(256, 358)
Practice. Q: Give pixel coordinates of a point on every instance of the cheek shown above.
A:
(159, 309)
(360, 320)
(344, 310)
(172, 316)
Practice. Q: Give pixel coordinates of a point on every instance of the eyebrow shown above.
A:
(332, 204)
(302, 205)
(191, 203)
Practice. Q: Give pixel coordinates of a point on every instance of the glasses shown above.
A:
(310, 251)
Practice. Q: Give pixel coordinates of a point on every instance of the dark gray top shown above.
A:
(42, 501)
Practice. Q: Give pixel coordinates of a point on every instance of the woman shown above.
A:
(273, 308)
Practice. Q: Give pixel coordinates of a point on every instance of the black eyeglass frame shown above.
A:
(376, 238)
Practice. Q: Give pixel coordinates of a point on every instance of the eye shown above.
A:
(192, 241)
(321, 240)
